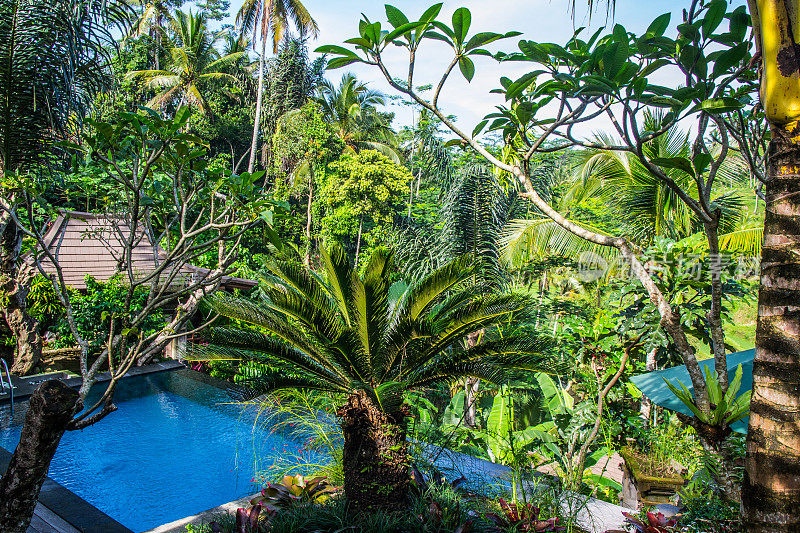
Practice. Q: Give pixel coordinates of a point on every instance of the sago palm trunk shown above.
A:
(771, 491)
(374, 456)
(259, 98)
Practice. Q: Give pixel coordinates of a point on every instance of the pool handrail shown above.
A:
(10, 384)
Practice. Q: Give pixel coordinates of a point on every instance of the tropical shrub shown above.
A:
(96, 306)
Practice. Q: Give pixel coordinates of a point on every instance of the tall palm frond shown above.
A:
(342, 332)
(351, 108)
(153, 19)
(475, 210)
(194, 65)
(524, 240)
(261, 18)
(54, 56)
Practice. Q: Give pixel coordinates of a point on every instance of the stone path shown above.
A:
(179, 526)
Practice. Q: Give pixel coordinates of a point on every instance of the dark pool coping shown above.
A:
(23, 388)
(73, 509)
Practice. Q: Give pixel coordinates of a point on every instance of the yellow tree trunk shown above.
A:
(771, 491)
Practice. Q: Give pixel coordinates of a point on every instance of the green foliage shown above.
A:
(290, 80)
(302, 140)
(683, 278)
(362, 193)
(95, 307)
(728, 406)
(294, 490)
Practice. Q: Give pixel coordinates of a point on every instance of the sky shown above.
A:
(539, 20)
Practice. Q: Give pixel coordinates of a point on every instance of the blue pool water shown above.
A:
(175, 447)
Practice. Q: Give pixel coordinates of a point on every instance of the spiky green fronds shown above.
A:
(340, 331)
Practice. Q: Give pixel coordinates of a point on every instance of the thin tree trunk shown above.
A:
(49, 412)
(259, 97)
(771, 491)
(374, 456)
(358, 242)
(646, 406)
(307, 257)
(471, 385)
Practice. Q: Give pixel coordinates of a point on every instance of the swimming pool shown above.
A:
(176, 446)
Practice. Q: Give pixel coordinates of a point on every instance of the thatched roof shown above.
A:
(90, 244)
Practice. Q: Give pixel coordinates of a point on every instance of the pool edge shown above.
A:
(23, 390)
(70, 507)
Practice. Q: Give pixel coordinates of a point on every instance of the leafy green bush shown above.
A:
(94, 307)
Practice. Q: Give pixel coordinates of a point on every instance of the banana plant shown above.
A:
(728, 406)
(503, 443)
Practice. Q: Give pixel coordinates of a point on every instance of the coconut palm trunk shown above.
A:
(374, 455)
(259, 99)
(771, 489)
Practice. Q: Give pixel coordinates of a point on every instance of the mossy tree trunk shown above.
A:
(771, 491)
(14, 288)
(49, 412)
(374, 456)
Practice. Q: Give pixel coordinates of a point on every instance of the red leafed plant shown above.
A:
(248, 520)
(656, 523)
(523, 518)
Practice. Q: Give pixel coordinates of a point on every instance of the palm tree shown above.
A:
(351, 109)
(194, 64)
(152, 21)
(259, 18)
(367, 341)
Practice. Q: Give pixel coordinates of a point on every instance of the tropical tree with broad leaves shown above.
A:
(608, 74)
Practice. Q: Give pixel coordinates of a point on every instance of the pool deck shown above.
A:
(46, 521)
(24, 387)
(179, 526)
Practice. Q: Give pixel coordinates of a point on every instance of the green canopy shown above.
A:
(652, 384)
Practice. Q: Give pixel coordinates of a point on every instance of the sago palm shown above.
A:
(366, 340)
(194, 66)
(260, 18)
